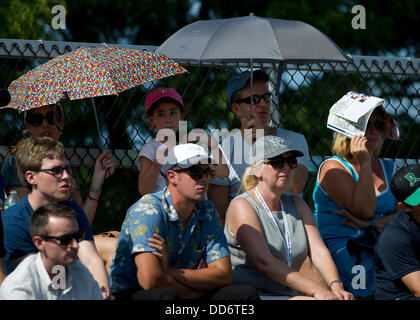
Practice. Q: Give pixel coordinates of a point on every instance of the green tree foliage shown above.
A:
(23, 19)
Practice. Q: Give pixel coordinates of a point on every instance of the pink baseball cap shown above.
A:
(160, 93)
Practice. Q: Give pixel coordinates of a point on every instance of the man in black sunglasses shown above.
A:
(54, 273)
(44, 170)
(237, 145)
(48, 121)
(174, 238)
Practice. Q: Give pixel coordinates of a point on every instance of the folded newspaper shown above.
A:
(350, 115)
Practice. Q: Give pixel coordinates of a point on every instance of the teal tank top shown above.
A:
(333, 231)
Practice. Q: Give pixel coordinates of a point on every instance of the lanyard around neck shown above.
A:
(286, 240)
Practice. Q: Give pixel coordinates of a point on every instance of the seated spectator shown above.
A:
(397, 252)
(354, 185)
(174, 238)
(2, 254)
(44, 170)
(54, 273)
(270, 234)
(2, 251)
(164, 110)
(237, 145)
(49, 121)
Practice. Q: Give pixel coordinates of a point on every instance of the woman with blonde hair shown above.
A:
(354, 185)
(270, 234)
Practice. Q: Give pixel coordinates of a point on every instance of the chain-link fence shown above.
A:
(306, 93)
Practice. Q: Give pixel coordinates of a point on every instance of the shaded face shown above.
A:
(40, 122)
(375, 131)
(260, 111)
(279, 170)
(166, 115)
(57, 253)
(193, 182)
(51, 184)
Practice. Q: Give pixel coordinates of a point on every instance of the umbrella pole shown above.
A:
(97, 125)
(251, 85)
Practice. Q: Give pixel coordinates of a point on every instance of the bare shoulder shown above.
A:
(241, 212)
(333, 170)
(332, 164)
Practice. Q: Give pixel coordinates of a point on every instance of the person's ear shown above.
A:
(172, 177)
(257, 170)
(403, 206)
(31, 177)
(38, 242)
(235, 108)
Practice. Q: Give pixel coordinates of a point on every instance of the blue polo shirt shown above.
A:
(17, 238)
(203, 237)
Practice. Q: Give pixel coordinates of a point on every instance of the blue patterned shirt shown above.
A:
(155, 213)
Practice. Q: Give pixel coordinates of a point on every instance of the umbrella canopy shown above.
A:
(87, 73)
(253, 38)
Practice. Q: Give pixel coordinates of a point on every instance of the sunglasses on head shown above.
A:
(255, 99)
(197, 173)
(36, 119)
(278, 163)
(56, 171)
(66, 239)
(377, 124)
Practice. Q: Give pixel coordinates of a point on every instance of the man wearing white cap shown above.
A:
(174, 238)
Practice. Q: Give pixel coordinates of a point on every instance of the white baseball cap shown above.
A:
(184, 156)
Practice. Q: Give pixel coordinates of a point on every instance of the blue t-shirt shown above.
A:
(17, 239)
(1, 189)
(155, 213)
(397, 253)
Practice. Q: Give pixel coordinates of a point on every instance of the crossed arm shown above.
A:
(153, 271)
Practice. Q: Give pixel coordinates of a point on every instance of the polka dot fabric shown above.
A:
(89, 72)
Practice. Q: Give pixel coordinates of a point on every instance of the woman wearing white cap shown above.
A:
(270, 234)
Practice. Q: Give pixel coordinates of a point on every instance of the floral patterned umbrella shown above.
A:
(89, 72)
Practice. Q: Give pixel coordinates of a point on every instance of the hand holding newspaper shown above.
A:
(350, 115)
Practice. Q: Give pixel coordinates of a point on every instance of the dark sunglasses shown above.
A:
(378, 125)
(36, 119)
(278, 163)
(197, 173)
(56, 171)
(255, 99)
(66, 239)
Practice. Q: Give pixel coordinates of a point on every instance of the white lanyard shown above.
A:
(287, 242)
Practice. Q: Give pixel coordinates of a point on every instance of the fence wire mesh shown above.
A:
(305, 95)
